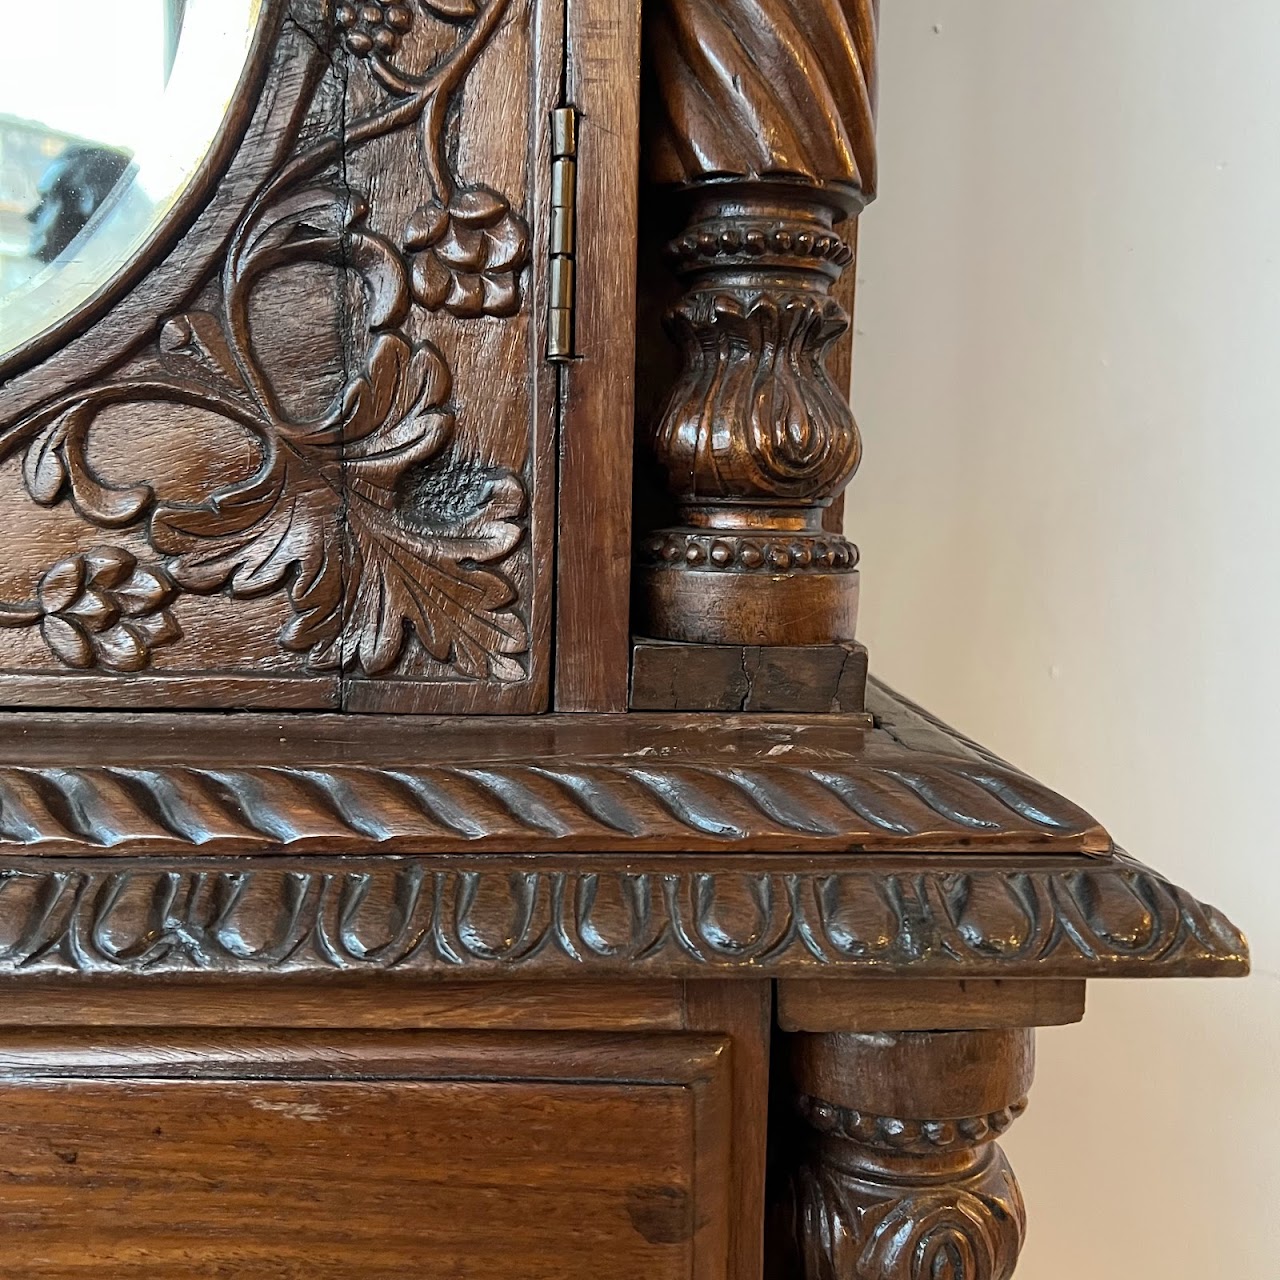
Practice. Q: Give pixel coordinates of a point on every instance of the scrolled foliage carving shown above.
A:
(855, 1227)
(366, 516)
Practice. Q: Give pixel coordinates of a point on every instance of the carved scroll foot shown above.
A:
(755, 439)
(900, 1177)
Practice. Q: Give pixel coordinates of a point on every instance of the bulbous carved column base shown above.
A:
(755, 439)
(900, 1177)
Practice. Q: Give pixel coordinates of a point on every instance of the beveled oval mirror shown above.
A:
(101, 132)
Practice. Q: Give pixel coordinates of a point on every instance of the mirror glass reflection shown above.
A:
(107, 109)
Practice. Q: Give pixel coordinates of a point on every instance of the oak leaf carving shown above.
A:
(369, 517)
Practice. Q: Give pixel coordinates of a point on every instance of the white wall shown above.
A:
(1068, 379)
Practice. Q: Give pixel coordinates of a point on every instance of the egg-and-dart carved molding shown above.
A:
(324, 519)
(439, 916)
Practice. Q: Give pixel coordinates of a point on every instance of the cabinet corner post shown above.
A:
(889, 1167)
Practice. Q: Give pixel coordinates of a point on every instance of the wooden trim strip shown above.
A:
(623, 917)
(593, 574)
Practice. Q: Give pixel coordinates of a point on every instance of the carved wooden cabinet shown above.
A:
(446, 824)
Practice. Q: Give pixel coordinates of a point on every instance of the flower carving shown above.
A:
(380, 527)
(400, 562)
(101, 608)
(467, 255)
(375, 26)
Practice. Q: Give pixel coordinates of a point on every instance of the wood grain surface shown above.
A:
(898, 1004)
(618, 917)
(761, 127)
(798, 679)
(900, 1176)
(458, 988)
(593, 573)
(631, 782)
(310, 459)
(381, 1156)
(375, 1003)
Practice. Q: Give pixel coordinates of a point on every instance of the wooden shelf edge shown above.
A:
(163, 784)
(605, 916)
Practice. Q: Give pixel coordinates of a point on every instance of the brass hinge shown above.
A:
(564, 231)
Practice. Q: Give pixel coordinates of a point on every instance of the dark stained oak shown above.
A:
(616, 917)
(131, 785)
(657, 845)
(370, 1002)
(962, 1004)
(326, 463)
(447, 826)
(741, 1011)
(813, 679)
(593, 578)
(900, 1177)
(765, 133)
(374, 1155)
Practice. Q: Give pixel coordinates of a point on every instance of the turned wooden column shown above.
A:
(764, 123)
(897, 1175)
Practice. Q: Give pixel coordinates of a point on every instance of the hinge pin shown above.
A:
(563, 238)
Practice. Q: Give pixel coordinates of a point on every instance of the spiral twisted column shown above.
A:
(764, 123)
(901, 1177)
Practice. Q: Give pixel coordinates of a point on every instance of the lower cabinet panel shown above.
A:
(448, 1158)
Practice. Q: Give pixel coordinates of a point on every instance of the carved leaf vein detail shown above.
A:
(369, 518)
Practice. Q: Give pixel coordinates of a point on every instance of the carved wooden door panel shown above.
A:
(306, 457)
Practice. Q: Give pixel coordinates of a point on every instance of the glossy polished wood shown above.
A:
(104, 784)
(136, 1156)
(300, 483)
(557, 847)
(901, 1177)
(766, 131)
(543, 991)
